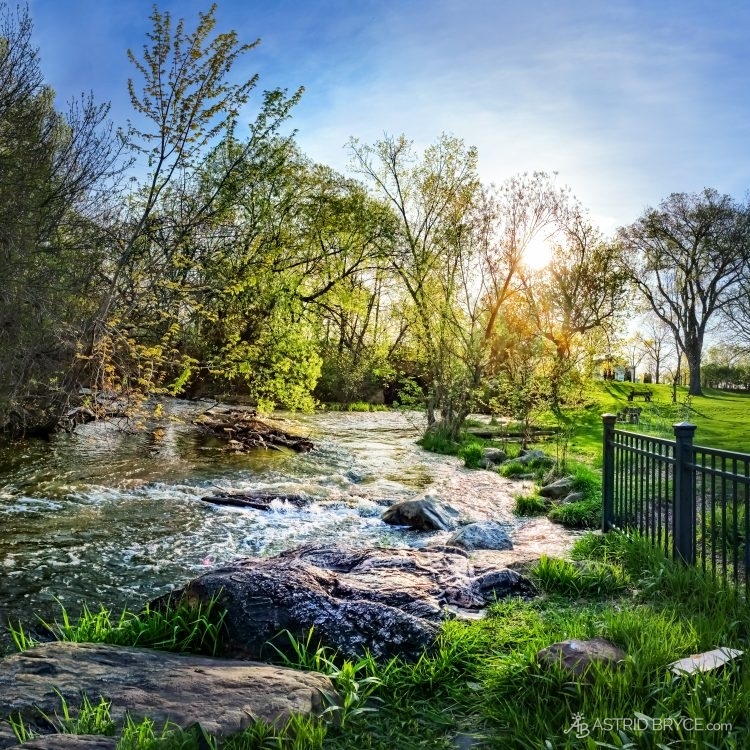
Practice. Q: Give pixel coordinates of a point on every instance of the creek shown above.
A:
(114, 516)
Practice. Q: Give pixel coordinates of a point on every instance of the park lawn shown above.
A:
(721, 417)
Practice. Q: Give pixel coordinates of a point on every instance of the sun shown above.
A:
(538, 252)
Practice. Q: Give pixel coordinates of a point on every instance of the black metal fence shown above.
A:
(688, 500)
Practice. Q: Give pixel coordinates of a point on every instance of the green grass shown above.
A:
(721, 416)
(471, 453)
(483, 678)
(359, 406)
(514, 468)
(531, 505)
(175, 627)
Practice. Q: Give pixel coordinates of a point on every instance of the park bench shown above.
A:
(645, 394)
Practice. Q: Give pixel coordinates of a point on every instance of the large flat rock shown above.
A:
(223, 696)
(69, 742)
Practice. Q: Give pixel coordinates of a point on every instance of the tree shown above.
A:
(175, 225)
(657, 341)
(581, 290)
(432, 198)
(54, 170)
(690, 257)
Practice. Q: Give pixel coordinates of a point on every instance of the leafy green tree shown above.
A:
(54, 170)
(187, 134)
(690, 258)
(432, 198)
(582, 289)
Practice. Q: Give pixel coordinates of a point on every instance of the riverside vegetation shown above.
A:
(194, 255)
(483, 679)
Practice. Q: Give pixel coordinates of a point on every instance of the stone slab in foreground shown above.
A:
(69, 742)
(223, 696)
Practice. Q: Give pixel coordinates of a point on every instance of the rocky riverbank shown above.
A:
(381, 602)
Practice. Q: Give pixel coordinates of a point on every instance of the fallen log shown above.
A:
(257, 502)
(243, 431)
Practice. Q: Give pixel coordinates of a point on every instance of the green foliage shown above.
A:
(57, 170)
(471, 453)
(91, 718)
(536, 468)
(582, 514)
(22, 731)
(355, 681)
(531, 505)
(437, 440)
(179, 626)
(143, 735)
(594, 578)
(363, 406)
(482, 678)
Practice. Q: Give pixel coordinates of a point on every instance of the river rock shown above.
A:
(482, 535)
(424, 514)
(557, 489)
(389, 602)
(577, 655)
(573, 497)
(494, 455)
(69, 742)
(256, 501)
(529, 456)
(223, 696)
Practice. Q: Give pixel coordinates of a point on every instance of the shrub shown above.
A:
(531, 505)
(471, 453)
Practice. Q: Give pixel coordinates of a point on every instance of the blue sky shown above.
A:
(627, 101)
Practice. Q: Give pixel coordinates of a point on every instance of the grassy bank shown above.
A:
(721, 416)
(484, 681)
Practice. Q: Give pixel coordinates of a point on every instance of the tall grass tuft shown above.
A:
(531, 505)
(471, 453)
(179, 626)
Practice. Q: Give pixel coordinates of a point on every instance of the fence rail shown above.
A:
(691, 501)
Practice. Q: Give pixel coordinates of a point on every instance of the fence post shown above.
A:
(684, 494)
(608, 472)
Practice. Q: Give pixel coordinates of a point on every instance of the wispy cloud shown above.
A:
(628, 101)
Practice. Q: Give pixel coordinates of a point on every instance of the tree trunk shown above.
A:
(694, 363)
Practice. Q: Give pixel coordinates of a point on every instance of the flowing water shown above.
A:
(104, 515)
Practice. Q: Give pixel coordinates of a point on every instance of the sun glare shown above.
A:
(538, 252)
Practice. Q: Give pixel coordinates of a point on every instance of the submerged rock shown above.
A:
(423, 514)
(223, 696)
(257, 502)
(482, 535)
(389, 602)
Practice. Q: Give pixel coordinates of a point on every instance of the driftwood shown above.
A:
(258, 502)
(243, 431)
(492, 432)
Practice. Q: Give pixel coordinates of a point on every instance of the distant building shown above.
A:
(608, 370)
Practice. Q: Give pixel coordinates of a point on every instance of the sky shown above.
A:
(626, 101)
